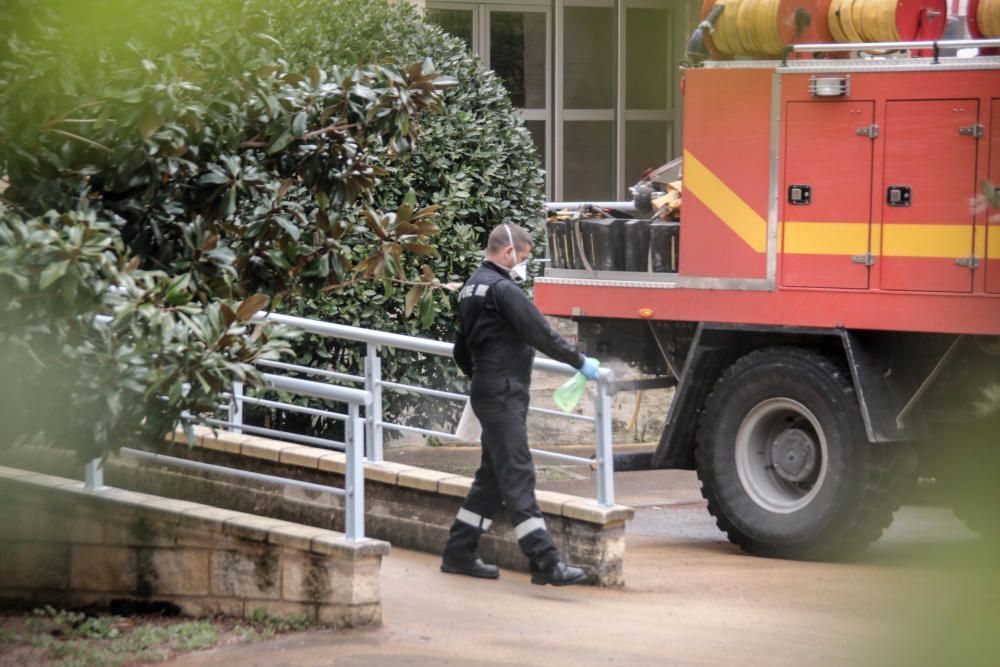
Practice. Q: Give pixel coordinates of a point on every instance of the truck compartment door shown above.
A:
(929, 181)
(826, 210)
(993, 212)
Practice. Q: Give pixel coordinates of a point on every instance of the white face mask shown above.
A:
(519, 272)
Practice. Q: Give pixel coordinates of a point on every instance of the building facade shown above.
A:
(596, 81)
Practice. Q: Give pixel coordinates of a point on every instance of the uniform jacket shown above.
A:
(500, 329)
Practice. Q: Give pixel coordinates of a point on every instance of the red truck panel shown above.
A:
(925, 153)
(726, 173)
(915, 283)
(820, 238)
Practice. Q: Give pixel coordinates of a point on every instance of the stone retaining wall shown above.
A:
(408, 506)
(64, 545)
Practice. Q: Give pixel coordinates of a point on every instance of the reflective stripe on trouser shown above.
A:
(506, 476)
(473, 519)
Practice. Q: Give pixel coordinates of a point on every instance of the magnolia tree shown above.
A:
(167, 172)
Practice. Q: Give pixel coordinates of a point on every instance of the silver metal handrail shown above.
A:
(353, 445)
(375, 422)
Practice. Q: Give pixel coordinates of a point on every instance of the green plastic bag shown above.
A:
(569, 393)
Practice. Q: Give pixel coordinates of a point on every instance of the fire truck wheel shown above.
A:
(784, 461)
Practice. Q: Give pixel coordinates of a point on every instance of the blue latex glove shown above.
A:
(590, 368)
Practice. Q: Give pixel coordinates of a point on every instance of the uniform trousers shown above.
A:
(506, 476)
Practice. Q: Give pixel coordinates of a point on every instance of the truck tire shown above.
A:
(784, 460)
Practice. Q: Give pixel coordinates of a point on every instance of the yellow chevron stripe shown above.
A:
(724, 203)
(927, 240)
(825, 238)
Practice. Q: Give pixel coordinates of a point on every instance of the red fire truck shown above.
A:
(828, 305)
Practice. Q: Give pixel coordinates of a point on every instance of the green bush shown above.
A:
(171, 150)
(475, 160)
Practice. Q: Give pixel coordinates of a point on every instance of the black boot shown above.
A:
(473, 568)
(560, 574)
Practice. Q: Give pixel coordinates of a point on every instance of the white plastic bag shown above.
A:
(469, 429)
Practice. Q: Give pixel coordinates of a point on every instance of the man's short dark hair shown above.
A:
(500, 240)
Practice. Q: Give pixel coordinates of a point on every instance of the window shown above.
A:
(594, 80)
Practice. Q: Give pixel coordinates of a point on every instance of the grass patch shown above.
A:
(64, 638)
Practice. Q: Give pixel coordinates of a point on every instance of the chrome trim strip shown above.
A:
(862, 65)
(881, 46)
(774, 177)
(652, 281)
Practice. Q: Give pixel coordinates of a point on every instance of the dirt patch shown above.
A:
(48, 636)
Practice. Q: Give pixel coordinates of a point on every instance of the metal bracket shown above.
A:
(928, 381)
(870, 131)
(975, 130)
(971, 262)
(867, 259)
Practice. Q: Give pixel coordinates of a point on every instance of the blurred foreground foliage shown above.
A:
(168, 170)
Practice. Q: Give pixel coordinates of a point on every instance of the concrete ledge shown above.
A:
(399, 474)
(414, 507)
(407, 506)
(64, 544)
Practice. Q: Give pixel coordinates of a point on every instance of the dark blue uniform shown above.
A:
(499, 330)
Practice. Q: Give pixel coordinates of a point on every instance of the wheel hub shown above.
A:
(793, 455)
(781, 454)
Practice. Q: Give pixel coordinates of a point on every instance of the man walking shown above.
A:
(500, 328)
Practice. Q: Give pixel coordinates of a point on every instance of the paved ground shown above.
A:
(927, 594)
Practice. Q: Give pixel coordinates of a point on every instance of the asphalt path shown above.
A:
(928, 593)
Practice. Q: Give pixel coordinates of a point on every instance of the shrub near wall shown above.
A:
(475, 160)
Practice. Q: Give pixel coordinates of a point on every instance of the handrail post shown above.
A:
(354, 475)
(93, 474)
(373, 413)
(236, 406)
(602, 427)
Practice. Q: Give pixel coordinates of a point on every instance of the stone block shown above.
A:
(421, 478)
(385, 472)
(6, 472)
(124, 500)
(455, 486)
(356, 581)
(46, 523)
(103, 568)
(307, 578)
(207, 518)
(295, 536)
(551, 502)
(221, 441)
(300, 455)
(590, 511)
(180, 437)
(168, 571)
(335, 544)
(251, 527)
(210, 606)
(34, 565)
(333, 462)
(350, 616)
(262, 448)
(141, 532)
(168, 510)
(247, 573)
